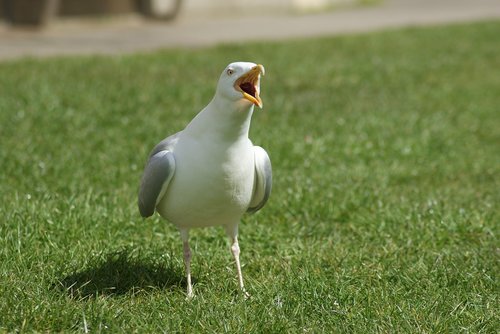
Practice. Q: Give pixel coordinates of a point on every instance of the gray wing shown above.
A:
(166, 144)
(263, 180)
(157, 174)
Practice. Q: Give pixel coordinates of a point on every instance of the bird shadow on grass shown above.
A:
(119, 273)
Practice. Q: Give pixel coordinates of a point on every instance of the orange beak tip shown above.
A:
(262, 69)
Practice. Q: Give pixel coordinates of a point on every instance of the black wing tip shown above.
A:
(259, 206)
(144, 211)
(253, 210)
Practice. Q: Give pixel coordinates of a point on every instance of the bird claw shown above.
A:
(189, 292)
(246, 295)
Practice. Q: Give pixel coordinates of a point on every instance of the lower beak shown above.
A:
(254, 99)
(247, 84)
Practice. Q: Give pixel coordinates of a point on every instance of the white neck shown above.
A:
(223, 119)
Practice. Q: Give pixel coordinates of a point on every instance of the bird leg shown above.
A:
(232, 232)
(235, 249)
(187, 263)
(187, 260)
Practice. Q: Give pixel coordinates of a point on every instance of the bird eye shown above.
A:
(229, 71)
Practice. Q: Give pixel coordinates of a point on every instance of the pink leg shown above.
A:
(232, 232)
(235, 249)
(187, 260)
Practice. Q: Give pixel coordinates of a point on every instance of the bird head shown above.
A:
(240, 81)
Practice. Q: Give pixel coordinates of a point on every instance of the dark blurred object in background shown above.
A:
(40, 12)
(29, 12)
(95, 7)
(160, 9)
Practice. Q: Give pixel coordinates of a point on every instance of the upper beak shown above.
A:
(248, 85)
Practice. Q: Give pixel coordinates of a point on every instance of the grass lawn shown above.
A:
(384, 214)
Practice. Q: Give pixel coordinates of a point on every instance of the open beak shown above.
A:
(248, 85)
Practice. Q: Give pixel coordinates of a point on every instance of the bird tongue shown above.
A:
(247, 84)
(248, 88)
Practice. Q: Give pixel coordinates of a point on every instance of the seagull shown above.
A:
(210, 173)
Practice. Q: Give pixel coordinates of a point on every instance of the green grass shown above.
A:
(384, 212)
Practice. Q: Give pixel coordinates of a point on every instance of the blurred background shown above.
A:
(58, 27)
(39, 12)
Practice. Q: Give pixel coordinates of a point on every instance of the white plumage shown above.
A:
(210, 173)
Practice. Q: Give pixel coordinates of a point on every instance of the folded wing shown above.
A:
(263, 180)
(157, 174)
